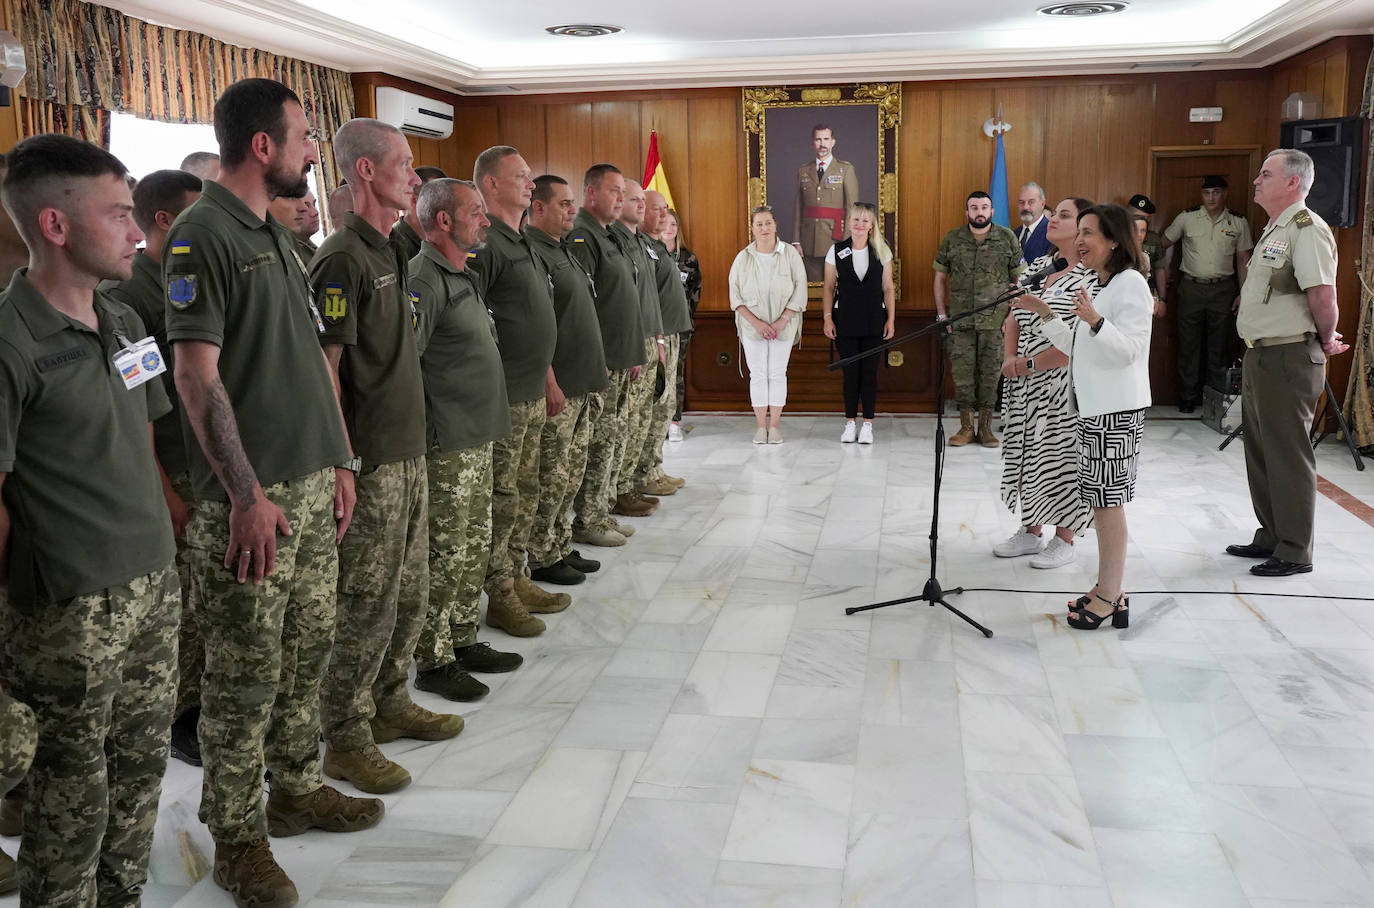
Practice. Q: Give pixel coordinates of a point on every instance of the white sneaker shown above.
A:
(761, 436)
(774, 436)
(866, 434)
(847, 437)
(1057, 554)
(1018, 544)
(674, 432)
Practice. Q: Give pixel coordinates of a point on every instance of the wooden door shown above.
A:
(1177, 186)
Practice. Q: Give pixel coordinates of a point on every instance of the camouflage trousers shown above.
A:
(266, 650)
(190, 645)
(514, 491)
(18, 738)
(383, 602)
(975, 359)
(661, 413)
(459, 548)
(640, 415)
(99, 672)
(592, 502)
(562, 464)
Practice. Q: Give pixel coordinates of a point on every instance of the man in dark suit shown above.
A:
(1035, 223)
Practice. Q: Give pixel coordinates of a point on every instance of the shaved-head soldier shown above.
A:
(407, 233)
(203, 164)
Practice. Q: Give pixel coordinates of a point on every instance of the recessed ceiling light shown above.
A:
(583, 31)
(1084, 8)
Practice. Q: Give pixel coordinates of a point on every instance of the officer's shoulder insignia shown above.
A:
(181, 290)
(1303, 218)
(1196, 208)
(335, 302)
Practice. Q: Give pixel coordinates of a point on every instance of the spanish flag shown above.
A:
(655, 177)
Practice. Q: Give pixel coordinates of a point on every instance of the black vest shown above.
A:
(859, 310)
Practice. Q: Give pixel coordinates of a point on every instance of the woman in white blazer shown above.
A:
(768, 294)
(1109, 353)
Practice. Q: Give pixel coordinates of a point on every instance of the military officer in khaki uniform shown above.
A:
(1287, 319)
(974, 265)
(826, 187)
(1216, 249)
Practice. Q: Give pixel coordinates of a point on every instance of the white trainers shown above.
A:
(866, 434)
(774, 436)
(1018, 544)
(761, 436)
(1057, 554)
(849, 434)
(674, 432)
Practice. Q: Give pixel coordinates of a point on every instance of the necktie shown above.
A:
(820, 172)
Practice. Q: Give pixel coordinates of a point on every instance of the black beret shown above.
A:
(1214, 181)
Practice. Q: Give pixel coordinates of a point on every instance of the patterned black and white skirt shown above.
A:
(1108, 446)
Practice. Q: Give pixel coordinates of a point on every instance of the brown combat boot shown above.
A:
(324, 808)
(631, 505)
(539, 601)
(506, 612)
(417, 723)
(675, 480)
(985, 436)
(252, 876)
(367, 768)
(965, 433)
(660, 486)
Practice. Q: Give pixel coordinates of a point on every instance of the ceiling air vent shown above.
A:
(583, 31)
(1084, 8)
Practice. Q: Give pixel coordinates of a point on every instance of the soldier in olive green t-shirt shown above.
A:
(677, 320)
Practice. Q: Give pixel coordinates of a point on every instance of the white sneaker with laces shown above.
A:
(866, 434)
(1057, 554)
(848, 436)
(1018, 544)
(674, 432)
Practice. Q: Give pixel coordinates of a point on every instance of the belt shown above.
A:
(1277, 341)
(1208, 280)
(834, 214)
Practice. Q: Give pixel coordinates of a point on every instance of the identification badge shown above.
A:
(140, 362)
(844, 253)
(684, 275)
(652, 254)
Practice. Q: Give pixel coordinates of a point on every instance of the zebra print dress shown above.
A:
(1039, 425)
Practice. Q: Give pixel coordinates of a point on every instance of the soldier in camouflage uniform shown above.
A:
(369, 339)
(677, 321)
(465, 411)
(158, 199)
(579, 363)
(263, 461)
(18, 738)
(974, 265)
(89, 619)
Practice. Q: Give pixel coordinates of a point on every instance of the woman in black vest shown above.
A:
(859, 312)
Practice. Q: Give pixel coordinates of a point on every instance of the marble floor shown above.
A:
(706, 727)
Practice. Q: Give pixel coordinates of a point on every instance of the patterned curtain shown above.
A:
(89, 123)
(1359, 396)
(94, 57)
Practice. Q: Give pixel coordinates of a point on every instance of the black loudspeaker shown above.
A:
(1335, 149)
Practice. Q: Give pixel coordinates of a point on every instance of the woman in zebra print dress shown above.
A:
(1109, 350)
(1039, 441)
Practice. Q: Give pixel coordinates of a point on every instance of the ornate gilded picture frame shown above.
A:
(780, 126)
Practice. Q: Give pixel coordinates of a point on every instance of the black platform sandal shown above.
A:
(1084, 620)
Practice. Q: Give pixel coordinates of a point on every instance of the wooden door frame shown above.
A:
(1199, 151)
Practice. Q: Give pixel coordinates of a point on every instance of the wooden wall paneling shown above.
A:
(1245, 115)
(1173, 96)
(615, 136)
(966, 154)
(522, 126)
(1073, 122)
(475, 129)
(568, 143)
(1124, 140)
(718, 225)
(921, 223)
(670, 118)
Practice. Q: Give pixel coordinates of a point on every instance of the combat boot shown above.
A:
(9, 874)
(506, 612)
(603, 538)
(575, 560)
(539, 601)
(985, 436)
(11, 816)
(624, 529)
(417, 723)
(324, 808)
(965, 433)
(660, 486)
(252, 876)
(367, 768)
(631, 505)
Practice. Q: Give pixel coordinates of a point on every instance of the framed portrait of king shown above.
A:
(815, 151)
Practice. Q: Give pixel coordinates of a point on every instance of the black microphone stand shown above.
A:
(933, 593)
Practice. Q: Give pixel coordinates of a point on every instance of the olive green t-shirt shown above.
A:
(646, 281)
(306, 250)
(672, 296)
(465, 387)
(579, 362)
(143, 293)
(360, 290)
(406, 239)
(617, 298)
(82, 490)
(235, 280)
(516, 288)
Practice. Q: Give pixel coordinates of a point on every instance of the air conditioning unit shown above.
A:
(415, 114)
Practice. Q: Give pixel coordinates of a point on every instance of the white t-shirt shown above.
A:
(860, 260)
(765, 263)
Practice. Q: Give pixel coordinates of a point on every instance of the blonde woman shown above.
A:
(859, 312)
(768, 294)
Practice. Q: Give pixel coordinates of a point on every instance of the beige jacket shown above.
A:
(786, 290)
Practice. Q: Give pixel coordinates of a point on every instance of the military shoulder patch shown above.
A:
(181, 247)
(1303, 218)
(181, 290)
(335, 302)
(579, 239)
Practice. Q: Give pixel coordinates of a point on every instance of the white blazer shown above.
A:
(1110, 369)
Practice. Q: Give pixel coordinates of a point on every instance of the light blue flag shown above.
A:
(998, 190)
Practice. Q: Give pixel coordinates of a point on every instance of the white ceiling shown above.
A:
(459, 46)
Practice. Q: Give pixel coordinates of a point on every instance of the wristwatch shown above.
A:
(354, 464)
(1030, 363)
